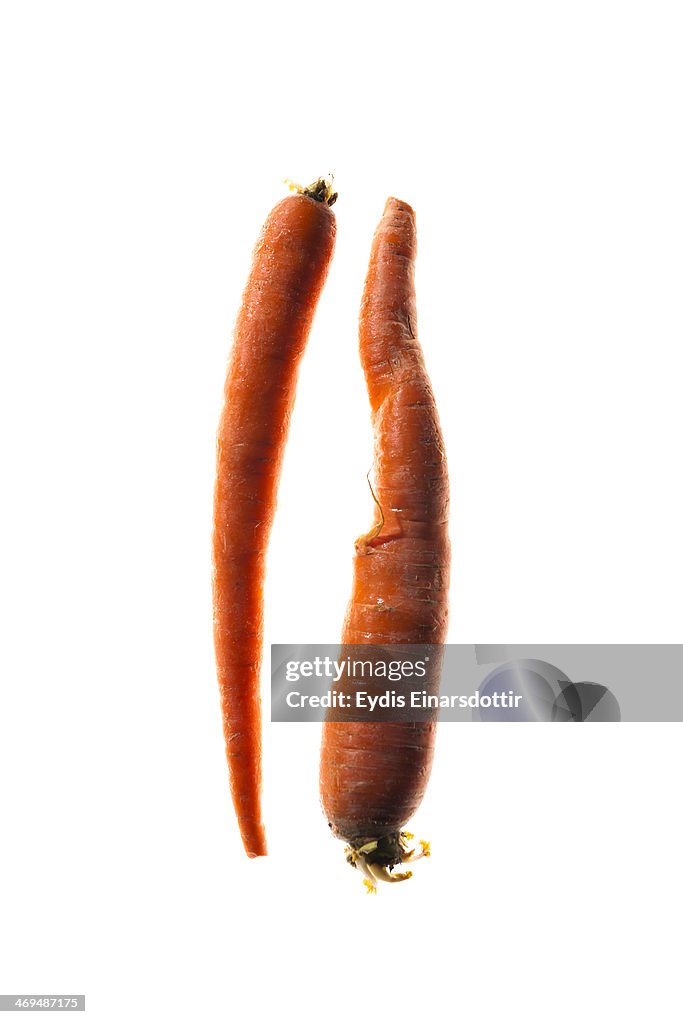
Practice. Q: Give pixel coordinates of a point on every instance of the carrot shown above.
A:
(290, 264)
(374, 774)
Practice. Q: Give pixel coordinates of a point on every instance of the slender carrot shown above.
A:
(290, 264)
(374, 774)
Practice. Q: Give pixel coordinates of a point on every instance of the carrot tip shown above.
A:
(320, 190)
(398, 205)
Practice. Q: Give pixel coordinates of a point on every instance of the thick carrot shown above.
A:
(374, 774)
(288, 272)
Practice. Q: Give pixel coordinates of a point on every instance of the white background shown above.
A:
(143, 144)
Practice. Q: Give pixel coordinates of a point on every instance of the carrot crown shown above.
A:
(321, 190)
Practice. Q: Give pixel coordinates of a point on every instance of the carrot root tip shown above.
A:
(412, 855)
(385, 875)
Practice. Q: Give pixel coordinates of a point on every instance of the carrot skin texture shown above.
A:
(374, 774)
(289, 268)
